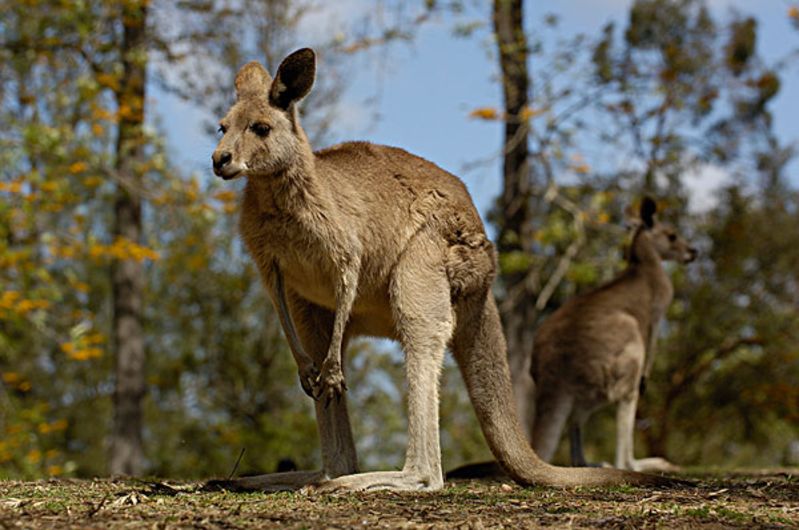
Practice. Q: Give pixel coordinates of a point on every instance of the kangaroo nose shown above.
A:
(692, 253)
(220, 160)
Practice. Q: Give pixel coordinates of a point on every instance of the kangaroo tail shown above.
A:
(480, 350)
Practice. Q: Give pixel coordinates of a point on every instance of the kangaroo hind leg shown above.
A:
(423, 318)
(553, 407)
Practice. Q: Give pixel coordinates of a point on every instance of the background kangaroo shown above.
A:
(361, 239)
(599, 347)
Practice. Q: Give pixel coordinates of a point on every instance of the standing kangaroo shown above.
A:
(361, 239)
(599, 347)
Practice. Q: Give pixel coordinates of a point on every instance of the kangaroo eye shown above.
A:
(261, 129)
(672, 237)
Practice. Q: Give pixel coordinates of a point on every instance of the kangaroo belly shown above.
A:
(605, 365)
(310, 283)
(315, 280)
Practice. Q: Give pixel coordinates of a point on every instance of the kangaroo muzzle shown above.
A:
(224, 166)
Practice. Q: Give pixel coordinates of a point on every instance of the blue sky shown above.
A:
(429, 87)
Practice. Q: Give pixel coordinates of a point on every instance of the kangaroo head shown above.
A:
(666, 242)
(261, 133)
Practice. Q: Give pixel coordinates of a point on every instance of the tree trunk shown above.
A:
(514, 205)
(127, 275)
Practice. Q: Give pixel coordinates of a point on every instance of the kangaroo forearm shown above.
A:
(278, 292)
(649, 359)
(345, 298)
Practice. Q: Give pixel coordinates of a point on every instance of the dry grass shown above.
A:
(745, 500)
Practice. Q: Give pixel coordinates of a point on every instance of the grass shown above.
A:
(731, 500)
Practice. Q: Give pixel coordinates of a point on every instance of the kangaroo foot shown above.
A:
(380, 480)
(288, 481)
(653, 464)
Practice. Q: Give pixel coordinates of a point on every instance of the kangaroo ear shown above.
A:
(294, 78)
(252, 80)
(648, 209)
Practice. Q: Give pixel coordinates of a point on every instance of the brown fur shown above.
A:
(599, 346)
(362, 239)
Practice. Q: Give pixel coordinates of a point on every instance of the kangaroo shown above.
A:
(599, 347)
(363, 239)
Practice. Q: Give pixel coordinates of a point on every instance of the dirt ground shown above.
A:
(730, 500)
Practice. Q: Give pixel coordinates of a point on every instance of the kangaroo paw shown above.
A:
(308, 377)
(330, 382)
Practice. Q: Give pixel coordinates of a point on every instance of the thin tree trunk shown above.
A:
(514, 205)
(127, 276)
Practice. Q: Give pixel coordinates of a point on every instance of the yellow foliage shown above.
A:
(485, 113)
(192, 190)
(12, 302)
(54, 470)
(64, 251)
(49, 186)
(95, 338)
(8, 299)
(53, 426)
(15, 258)
(15, 429)
(92, 182)
(97, 129)
(80, 351)
(11, 378)
(100, 113)
(122, 249)
(225, 195)
(793, 12)
(528, 113)
(25, 306)
(78, 167)
(34, 456)
(108, 81)
(14, 186)
(125, 112)
(96, 250)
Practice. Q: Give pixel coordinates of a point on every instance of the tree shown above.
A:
(127, 277)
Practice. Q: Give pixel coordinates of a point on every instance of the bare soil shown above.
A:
(768, 499)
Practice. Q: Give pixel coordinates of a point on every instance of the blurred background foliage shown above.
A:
(611, 115)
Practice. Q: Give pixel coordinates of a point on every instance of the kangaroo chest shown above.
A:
(305, 257)
(662, 294)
